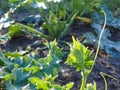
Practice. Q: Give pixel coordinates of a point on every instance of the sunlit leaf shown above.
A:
(80, 56)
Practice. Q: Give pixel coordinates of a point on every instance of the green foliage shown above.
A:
(40, 73)
(48, 84)
(34, 31)
(59, 16)
(40, 84)
(30, 71)
(14, 31)
(19, 69)
(57, 20)
(54, 25)
(79, 57)
(54, 49)
(85, 6)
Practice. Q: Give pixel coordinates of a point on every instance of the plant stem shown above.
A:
(105, 81)
(71, 21)
(34, 31)
(84, 78)
(98, 47)
(110, 77)
(102, 74)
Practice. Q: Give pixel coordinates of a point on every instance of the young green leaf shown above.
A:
(80, 56)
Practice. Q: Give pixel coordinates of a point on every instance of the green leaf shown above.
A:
(51, 65)
(10, 86)
(7, 77)
(6, 19)
(47, 83)
(79, 57)
(4, 60)
(21, 67)
(85, 6)
(14, 31)
(58, 19)
(12, 55)
(54, 49)
(54, 25)
(20, 76)
(40, 84)
(69, 86)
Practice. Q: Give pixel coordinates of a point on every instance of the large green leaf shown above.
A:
(20, 77)
(51, 65)
(79, 57)
(4, 60)
(17, 79)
